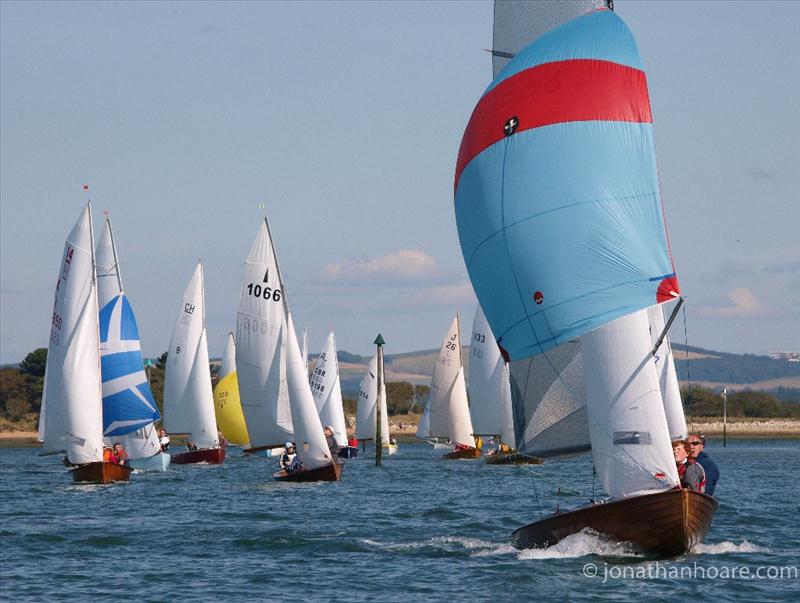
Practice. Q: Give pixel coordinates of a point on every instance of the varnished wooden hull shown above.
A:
(469, 453)
(328, 473)
(512, 458)
(101, 473)
(663, 525)
(212, 456)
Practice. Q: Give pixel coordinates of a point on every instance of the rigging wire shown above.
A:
(689, 400)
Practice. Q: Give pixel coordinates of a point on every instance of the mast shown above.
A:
(378, 402)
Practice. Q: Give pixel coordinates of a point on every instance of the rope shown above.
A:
(690, 402)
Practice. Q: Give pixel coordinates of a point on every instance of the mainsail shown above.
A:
(261, 346)
(188, 399)
(227, 407)
(448, 406)
(129, 408)
(562, 230)
(72, 417)
(487, 378)
(327, 390)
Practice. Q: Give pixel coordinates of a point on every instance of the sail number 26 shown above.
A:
(266, 292)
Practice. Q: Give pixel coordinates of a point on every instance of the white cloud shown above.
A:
(742, 304)
(403, 265)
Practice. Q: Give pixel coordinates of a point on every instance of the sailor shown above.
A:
(690, 473)
(118, 455)
(163, 439)
(333, 445)
(697, 444)
(288, 456)
(491, 447)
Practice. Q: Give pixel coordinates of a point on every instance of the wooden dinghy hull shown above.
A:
(664, 524)
(327, 473)
(469, 453)
(264, 451)
(212, 456)
(101, 473)
(512, 458)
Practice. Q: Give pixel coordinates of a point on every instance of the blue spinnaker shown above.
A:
(556, 191)
(128, 403)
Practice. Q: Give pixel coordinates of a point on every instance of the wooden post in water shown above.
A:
(378, 435)
(724, 417)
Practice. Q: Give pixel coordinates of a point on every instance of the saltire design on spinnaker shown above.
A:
(556, 190)
(128, 403)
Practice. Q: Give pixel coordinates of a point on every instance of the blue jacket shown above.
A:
(712, 471)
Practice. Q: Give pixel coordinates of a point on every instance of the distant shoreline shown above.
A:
(710, 426)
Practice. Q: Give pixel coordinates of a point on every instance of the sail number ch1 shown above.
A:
(267, 293)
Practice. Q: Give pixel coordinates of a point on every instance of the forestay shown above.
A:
(327, 390)
(667, 377)
(261, 346)
(72, 415)
(188, 399)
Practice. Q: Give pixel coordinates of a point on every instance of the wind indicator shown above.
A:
(378, 402)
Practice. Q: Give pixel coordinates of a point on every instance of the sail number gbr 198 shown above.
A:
(267, 293)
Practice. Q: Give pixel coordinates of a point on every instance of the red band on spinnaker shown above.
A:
(668, 289)
(575, 90)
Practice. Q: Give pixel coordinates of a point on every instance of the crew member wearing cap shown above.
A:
(697, 444)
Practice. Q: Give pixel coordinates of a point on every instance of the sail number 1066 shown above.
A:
(266, 292)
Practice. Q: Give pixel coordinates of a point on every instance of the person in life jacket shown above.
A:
(352, 442)
(163, 439)
(118, 455)
(288, 456)
(691, 474)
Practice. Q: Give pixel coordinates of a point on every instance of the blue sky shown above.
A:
(345, 120)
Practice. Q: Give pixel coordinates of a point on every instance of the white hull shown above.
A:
(158, 462)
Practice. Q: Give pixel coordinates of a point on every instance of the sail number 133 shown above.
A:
(265, 292)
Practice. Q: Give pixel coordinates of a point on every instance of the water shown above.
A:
(418, 528)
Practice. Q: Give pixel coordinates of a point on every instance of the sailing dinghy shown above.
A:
(71, 418)
(448, 409)
(312, 447)
(188, 399)
(261, 339)
(366, 410)
(129, 409)
(562, 230)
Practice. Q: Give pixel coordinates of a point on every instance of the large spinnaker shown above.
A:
(556, 190)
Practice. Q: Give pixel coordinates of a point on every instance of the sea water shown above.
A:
(418, 528)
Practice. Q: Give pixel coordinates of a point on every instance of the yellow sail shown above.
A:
(228, 409)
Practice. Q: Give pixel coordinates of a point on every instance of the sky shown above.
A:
(344, 119)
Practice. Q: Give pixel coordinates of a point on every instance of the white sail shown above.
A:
(424, 427)
(487, 378)
(506, 411)
(630, 440)
(366, 416)
(261, 347)
(109, 280)
(449, 409)
(327, 391)
(72, 394)
(312, 447)
(142, 443)
(188, 398)
(228, 363)
(668, 378)
(304, 348)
